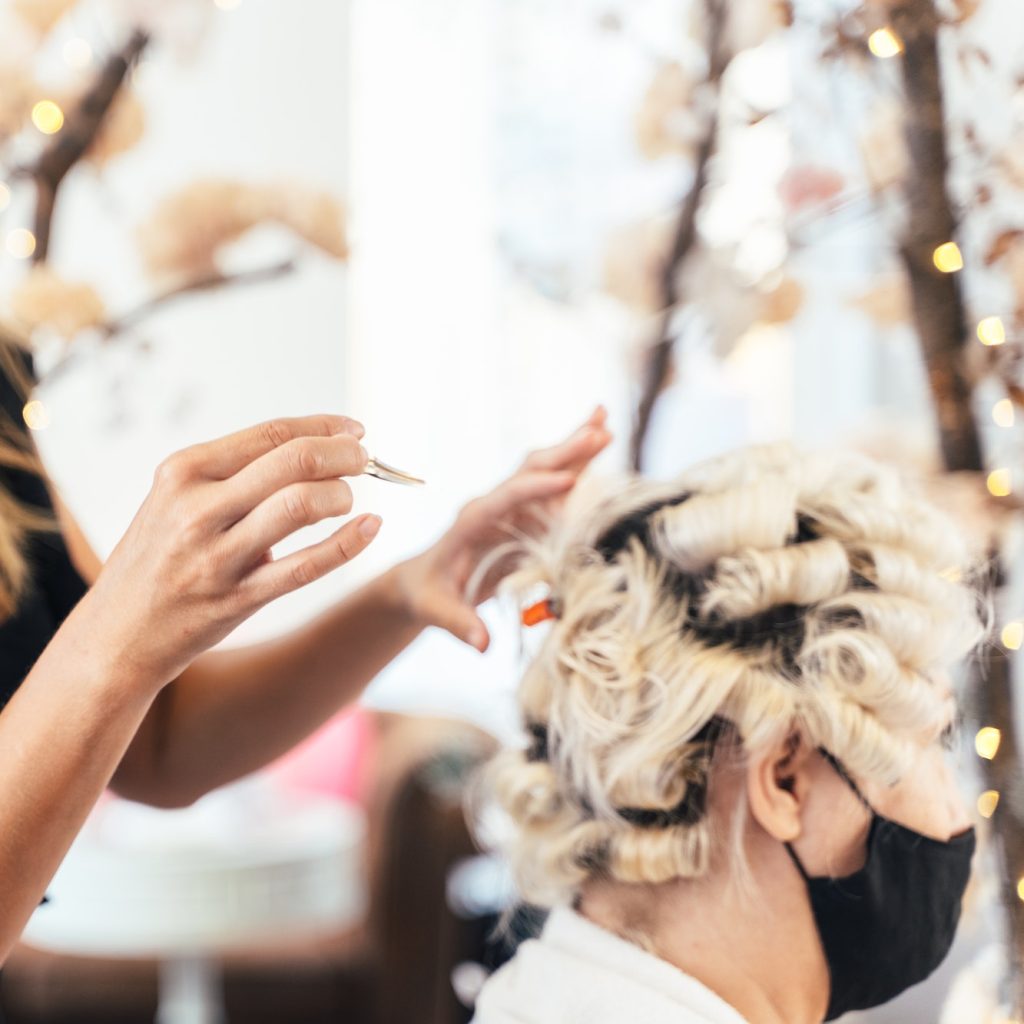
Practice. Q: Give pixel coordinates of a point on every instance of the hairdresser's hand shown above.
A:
(196, 560)
(433, 584)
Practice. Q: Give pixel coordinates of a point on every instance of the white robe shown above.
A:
(578, 973)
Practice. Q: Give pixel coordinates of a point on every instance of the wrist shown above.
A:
(95, 638)
(399, 590)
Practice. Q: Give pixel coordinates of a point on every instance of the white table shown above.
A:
(245, 866)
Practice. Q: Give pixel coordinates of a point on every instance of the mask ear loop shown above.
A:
(845, 776)
(796, 860)
(841, 771)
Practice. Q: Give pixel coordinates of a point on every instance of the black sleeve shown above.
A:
(55, 585)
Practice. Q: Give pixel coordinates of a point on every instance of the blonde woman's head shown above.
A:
(766, 601)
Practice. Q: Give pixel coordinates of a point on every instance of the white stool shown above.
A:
(243, 867)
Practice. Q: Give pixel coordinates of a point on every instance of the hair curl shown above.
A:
(762, 592)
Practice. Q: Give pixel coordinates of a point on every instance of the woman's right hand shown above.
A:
(195, 561)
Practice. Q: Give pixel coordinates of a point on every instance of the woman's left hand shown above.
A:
(433, 584)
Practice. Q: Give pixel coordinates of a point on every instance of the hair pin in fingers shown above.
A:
(382, 471)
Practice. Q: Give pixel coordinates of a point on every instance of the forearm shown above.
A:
(235, 711)
(61, 738)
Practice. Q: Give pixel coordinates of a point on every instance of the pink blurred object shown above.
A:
(807, 185)
(333, 760)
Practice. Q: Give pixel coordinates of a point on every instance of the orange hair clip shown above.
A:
(542, 611)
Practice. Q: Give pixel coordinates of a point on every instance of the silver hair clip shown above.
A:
(382, 471)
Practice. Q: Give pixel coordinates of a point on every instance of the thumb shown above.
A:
(461, 620)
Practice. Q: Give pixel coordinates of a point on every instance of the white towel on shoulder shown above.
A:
(578, 973)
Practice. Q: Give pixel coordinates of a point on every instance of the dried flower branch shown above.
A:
(659, 361)
(80, 131)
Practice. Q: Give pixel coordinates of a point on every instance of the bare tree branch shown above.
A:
(209, 282)
(118, 326)
(72, 142)
(938, 303)
(659, 359)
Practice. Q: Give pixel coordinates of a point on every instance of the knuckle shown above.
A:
(343, 551)
(172, 471)
(308, 459)
(251, 596)
(302, 573)
(297, 505)
(275, 433)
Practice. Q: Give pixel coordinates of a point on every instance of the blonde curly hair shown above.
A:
(761, 593)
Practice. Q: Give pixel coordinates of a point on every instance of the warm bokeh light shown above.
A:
(999, 483)
(1020, 888)
(5, 196)
(48, 117)
(986, 743)
(77, 53)
(948, 258)
(1013, 635)
(36, 415)
(1002, 413)
(987, 803)
(991, 331)
(21, 243)
(884, 42)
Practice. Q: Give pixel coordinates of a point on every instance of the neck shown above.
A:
(755, 945)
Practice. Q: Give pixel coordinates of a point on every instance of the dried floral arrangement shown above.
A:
(55, 127)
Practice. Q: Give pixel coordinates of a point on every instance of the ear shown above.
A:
(777, 785)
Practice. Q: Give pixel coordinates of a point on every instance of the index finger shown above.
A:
(224, 457)
(576, 451)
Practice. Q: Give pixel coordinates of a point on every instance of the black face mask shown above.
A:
(890, 924)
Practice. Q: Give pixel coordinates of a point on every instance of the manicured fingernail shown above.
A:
(478, 638)
(369, 527)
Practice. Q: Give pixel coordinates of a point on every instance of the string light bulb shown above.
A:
(986, 743)
(948, 258)
(992, 331)
(36, 415)
(884, 43)
(1002, 413)
(21, 243)
(77, 53)
(988, 802)
(1013, 635)
(999, 483)
(48, 117)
